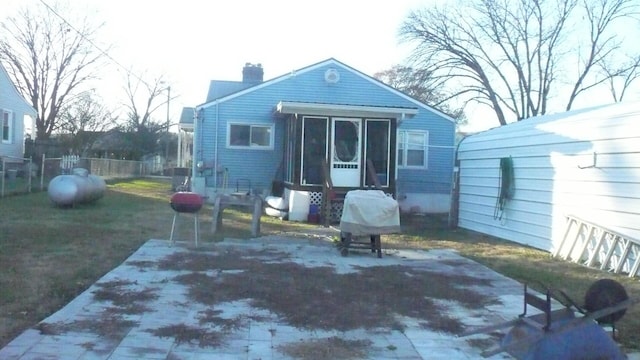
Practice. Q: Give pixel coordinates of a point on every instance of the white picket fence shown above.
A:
(68, 162)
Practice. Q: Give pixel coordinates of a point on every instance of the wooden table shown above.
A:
(249, 201)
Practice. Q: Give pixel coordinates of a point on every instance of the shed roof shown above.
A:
(569, 124)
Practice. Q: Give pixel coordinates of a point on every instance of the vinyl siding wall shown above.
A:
(257, 107)
(11, 100)
(555, 175)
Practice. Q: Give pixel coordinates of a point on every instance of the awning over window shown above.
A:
(307, 108)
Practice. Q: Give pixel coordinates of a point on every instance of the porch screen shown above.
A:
(314, 149)
(378, 150)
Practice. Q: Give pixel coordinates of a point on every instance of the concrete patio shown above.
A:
(158, 317)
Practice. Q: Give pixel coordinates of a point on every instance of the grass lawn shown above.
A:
(49, 255)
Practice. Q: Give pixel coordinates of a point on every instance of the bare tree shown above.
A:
(48, 59)
(84, 122)
(421, 85)
(147, 132)
(621, 77)
(517, 56)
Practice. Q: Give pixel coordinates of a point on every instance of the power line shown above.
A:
(103, 52)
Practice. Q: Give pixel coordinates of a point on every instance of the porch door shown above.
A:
(345, 152)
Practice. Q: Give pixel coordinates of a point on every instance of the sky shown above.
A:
(191, 42)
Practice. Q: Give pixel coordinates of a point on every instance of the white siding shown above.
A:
(556, 174)
(11, 100)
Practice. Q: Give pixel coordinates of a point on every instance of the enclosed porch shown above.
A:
(330, 149)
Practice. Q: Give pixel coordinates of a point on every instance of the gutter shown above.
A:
(215, 150)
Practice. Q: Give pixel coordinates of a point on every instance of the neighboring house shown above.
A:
(13, 111)
(111, 144)
(276, 134)
(582, 163)
(185, 137)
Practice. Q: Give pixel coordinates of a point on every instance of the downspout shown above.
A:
(196, 146)
(398, 122)
(454, 194)
(215, 151)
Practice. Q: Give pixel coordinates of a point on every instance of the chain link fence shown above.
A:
(22, 175)
(15, 175)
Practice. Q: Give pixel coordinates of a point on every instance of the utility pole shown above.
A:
(168, 138)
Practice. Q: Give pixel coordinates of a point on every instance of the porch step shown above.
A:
(595, 246)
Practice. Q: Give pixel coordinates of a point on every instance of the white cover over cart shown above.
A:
(368, 213)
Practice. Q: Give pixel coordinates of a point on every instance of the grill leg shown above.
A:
(173, 226)
(346, 241)
(196, 223)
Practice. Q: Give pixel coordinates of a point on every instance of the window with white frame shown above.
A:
(7, 126)
(412, 148)
(250, 136)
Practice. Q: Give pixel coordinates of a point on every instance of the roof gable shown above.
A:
(329, 62)
(6, 83)
(222, 88)
(186, 116)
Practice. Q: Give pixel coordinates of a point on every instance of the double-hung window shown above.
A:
(413, 149)
(7, 126)
(250, 136)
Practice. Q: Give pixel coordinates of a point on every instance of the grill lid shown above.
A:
(185, 201)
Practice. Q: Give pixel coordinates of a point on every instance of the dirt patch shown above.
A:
(485, 343)
(112, 323)
(320, 298)
(211, 331)
(190, 334)
(141, 264)
(211, 317)
(327, 349)
(110, 326)
(221, 260)
(126, 301)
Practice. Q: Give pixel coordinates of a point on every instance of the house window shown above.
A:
(412, 149)
(250, 136)
(6, 130)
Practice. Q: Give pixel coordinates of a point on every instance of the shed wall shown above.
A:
(556, 174)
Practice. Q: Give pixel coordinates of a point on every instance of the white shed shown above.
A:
(582, 164)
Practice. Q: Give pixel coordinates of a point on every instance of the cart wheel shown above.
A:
(603, 294)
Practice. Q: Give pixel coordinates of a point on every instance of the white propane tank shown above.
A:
(79, 187)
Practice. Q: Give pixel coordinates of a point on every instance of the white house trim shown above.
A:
(291, 107)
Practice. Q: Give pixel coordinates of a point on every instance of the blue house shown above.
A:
(286, 136)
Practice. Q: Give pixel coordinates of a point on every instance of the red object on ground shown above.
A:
(186, 202)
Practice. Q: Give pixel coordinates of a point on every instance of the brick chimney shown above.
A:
(252, 73)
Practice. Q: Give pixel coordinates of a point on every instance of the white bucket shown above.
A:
(299, 205)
